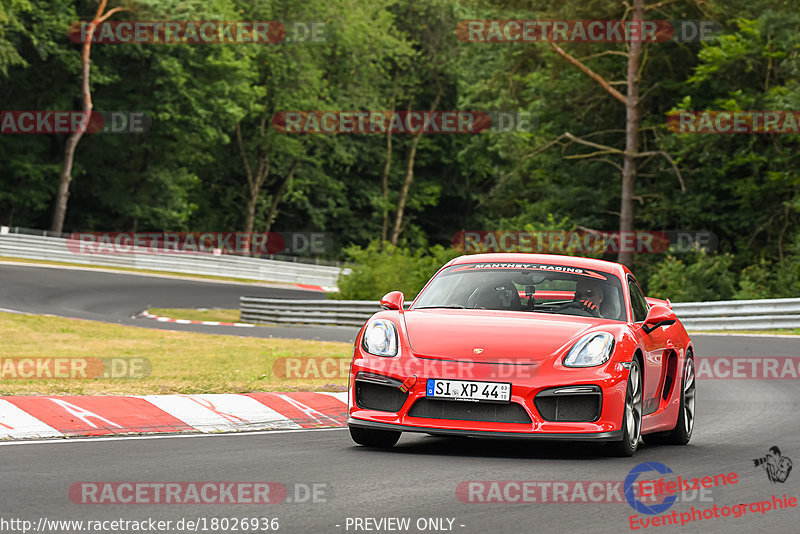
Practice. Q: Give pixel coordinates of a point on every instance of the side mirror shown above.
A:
(659, 315)
(393, 301)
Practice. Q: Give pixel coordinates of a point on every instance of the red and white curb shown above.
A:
(162, 319)
(311, 287)
(30, 417)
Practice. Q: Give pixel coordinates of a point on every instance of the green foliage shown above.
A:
(187, 173)
(766, 280)
(376, 272)
(9, 26)
(707, 278)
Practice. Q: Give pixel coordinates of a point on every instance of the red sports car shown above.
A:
(524, 346)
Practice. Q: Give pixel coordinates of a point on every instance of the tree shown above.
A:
(631, 100)
(431, 22)
(409, 175)
(34, 34)
(194, 94)
(60, 211)
(747, 185)
(10, 23)
(309, 76)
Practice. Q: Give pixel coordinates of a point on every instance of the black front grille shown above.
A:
(470, 411)
(583, 404)
(382, 397)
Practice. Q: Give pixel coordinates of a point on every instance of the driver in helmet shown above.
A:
(589, 294)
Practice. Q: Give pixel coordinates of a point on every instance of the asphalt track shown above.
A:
(117, 297)
(737, 420)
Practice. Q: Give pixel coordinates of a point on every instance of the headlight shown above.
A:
(590, 350)
(380, 338)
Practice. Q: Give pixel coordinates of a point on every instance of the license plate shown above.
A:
(468, 390)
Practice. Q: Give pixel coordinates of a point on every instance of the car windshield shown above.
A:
(542, 288)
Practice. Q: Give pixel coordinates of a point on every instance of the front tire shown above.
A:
(632, 418)
(370, 437)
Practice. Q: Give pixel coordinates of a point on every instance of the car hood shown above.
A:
(503, 336)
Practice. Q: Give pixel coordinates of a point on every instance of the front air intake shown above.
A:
(375, 392)
(489, 412)
(570, 404)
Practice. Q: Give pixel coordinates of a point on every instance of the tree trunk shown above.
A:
(385, 181)
(250, 213)
(254, 182)
(278, 196)
(65, 178)
(626, 212)
(401, 202)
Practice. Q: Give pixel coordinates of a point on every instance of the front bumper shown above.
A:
(615, 435)
(527, 381)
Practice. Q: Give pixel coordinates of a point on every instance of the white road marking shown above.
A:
(7, 310)
(19, 424)
(165, 436)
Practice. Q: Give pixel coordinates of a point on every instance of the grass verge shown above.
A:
(181, 362)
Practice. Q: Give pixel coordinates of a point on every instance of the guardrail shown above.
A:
(318, 312)
(759, 314)
(40, 247)
(697, 316)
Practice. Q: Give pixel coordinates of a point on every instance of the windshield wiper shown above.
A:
(452, 307)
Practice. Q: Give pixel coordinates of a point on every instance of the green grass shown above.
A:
(181, 362)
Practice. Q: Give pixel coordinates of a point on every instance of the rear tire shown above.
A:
(632, 417)
(370, 437)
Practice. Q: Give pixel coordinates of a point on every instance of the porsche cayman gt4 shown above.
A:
(524, 346)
